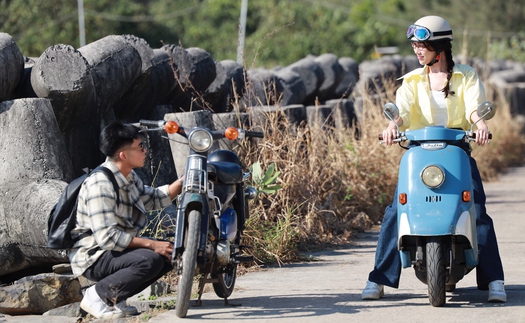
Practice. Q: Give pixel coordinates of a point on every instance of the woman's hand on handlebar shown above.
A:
(389, 134)
(482, 133)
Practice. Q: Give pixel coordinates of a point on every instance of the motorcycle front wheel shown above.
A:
(225, 282)
(435, 272)
(189, 263)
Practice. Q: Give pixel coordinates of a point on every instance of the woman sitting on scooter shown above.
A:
(441, 93)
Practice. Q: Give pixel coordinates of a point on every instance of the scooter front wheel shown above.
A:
(435, 272)
(189, 264)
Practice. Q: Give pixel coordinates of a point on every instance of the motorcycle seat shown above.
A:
(226, 172)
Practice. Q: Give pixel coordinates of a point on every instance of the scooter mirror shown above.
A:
(486, 110)
(391, 111)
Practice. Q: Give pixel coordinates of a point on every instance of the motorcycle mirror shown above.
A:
(486, 110)
(391, 111)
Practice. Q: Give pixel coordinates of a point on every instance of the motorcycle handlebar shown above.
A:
(256, 134)
(159, 124)
(152, 123)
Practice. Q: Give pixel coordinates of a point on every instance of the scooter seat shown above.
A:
(225, 172)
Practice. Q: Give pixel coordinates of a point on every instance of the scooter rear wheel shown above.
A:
(435, 272)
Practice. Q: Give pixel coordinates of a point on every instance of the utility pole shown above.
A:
(242, 31)
(81, 28)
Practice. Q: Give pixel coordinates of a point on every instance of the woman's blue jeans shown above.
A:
(387, 267)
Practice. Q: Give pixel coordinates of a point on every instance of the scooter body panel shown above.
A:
(438, 211)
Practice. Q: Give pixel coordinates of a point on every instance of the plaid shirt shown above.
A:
(111, 227)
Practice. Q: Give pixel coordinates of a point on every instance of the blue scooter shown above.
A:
(436, 217)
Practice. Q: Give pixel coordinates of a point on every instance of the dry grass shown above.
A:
(334, 183)
(507, 147)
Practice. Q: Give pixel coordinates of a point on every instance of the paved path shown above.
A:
(329, 290)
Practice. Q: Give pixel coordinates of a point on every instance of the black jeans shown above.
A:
(122, 274)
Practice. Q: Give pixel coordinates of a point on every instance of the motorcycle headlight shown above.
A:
(200, 140)
(433, 176)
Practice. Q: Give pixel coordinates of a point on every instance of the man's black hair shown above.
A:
(115, 136)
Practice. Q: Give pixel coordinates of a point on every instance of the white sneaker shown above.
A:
(497, 291)
(127, 310)
(94, 305)
(373, 291)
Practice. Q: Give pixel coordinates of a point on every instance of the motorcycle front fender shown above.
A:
(188, 203)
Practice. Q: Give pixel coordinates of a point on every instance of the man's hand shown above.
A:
(163, 248)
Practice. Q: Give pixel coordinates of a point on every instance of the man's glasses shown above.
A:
(139, 148)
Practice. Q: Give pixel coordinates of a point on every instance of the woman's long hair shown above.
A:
(444, 46)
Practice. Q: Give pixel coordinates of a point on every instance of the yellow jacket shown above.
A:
(413, 98)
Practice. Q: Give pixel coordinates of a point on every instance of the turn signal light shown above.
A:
(466, 196)
(403, 198)
(171, 127)
(231, 133)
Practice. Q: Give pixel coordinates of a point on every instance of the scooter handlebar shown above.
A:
(474, 136)
(400, 138)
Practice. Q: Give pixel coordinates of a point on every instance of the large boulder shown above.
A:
(312, 75)
(39, 294)
(62, 75)
(376, 75)
(263, 87)
(11, 66)
(350, 77)
(35, 165)
(227, 87)
(195, 71)
(293, 87)
(129, 106)
(333, 73)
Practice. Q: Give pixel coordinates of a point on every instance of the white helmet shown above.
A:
(429, 28)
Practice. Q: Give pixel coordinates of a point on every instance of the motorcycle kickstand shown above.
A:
(202, 283)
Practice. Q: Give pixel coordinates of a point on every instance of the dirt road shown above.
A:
(329, 290)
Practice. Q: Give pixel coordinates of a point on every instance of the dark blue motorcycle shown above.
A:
(211, 212)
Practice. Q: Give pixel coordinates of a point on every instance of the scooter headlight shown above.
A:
(433, 176)
(200, 140)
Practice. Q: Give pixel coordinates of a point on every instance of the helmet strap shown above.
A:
(437, 58)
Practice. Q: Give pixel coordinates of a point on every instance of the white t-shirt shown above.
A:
(439, 108)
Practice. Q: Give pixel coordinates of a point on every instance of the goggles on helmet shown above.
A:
(421, 33)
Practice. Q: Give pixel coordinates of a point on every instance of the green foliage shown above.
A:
(278, 32)
(264, 182)
(512, 48)
(274, 241)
